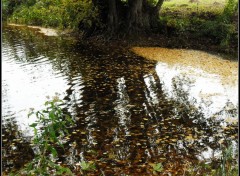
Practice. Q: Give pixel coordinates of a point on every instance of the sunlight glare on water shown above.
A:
(207, 89)
(27, 86)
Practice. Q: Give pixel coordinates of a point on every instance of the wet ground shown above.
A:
(125, 119)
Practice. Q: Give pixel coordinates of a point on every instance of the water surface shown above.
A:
(124, 116)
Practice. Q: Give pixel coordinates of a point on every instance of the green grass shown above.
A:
(185, 7)
(216, 20)
(226, 166)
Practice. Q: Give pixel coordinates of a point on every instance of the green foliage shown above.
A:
(230, 10)
(58, 13)
(8, 7)
(223, 32)
(5, 9)
(51, 125)
(158, 167)
(228, 164)
(223, 28)
(53, 122)
(180, 25)
(87, 166)
(220, 27)
(153, 2)
(84, 14)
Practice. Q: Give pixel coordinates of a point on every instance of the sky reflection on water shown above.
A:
(205, 89)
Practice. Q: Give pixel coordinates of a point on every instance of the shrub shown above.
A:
(58, 13)
(230, 10)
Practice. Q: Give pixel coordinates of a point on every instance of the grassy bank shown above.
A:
(212, 21)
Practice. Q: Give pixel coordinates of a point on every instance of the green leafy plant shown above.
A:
(87, 166)
(230, 10)
(64, 14)
(228, 164)
(51, 125)
(158, 167)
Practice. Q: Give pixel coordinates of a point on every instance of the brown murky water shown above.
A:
(126, 115)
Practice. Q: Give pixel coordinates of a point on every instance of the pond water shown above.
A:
(129, 111)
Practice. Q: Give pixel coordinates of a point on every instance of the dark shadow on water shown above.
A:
(16, 150)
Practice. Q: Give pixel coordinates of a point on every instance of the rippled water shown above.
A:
(125, 118)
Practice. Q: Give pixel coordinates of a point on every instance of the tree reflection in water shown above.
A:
(159, 129)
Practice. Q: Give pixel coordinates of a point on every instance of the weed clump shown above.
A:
(49, 129)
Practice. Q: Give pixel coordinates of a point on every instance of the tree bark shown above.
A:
(112, 16)
(155, 13)
(135, 14)
(159, 5)
(131, 16)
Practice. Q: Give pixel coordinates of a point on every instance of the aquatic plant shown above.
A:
(87, 166)
(228, 165)
(51, 125)
(156, 167)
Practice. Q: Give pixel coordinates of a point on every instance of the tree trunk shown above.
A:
(131, 16)
(155, 13)
(142, 15)
(135, 15)
(112, 16)
(159, 6)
